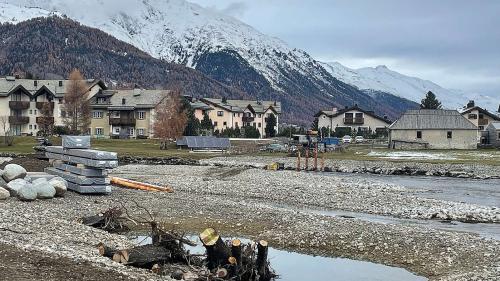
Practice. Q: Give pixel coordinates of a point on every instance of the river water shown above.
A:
(291, 266)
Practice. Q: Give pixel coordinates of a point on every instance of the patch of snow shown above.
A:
(412, 155)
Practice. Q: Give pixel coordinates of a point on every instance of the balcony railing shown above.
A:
(122, 121)
(41, 105)
(354, 120)
(19, 120)
(247, 119)
(19, 105)
(45, 120)
(482, 122)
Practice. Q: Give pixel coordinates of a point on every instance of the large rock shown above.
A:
(14, 186)
(44, 189)
(60, 184)
(27, 193)
(4, 193)
(13, 171)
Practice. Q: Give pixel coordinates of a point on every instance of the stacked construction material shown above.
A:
(85, 169)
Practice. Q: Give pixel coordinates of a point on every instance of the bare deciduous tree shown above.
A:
(170, 119)
(76, 104)
(8, 137)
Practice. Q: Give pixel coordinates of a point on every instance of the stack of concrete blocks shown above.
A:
(85, 169)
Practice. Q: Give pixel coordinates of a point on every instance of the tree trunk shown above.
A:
(261, 261)
(105, 251)
(218, 252)
(144, 256)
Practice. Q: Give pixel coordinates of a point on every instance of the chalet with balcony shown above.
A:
(481, 118)
(353, 118)
(30, 106)
(124, 113)
(240, 113)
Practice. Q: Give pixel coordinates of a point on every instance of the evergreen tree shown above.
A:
(314, 125)
(193, 124)
(270, 126)
(430, 102)
(251, 132)
(224, 100)
(206, 124)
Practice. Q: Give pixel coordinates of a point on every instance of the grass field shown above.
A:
(130, 147)
(150, 148)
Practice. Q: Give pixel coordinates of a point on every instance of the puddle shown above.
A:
(486, 230)
(291, 266)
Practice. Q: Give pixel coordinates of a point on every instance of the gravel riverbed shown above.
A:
(244, 202)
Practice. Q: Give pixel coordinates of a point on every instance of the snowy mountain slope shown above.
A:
(15, 14)
(221, 47)
(383, 79)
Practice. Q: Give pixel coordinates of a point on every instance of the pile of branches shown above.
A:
(110, 220)
(167, 255)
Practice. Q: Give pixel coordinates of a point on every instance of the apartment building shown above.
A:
(481, 118)
(124, 113)
(354, 118)
(23, 102)
(240, 113)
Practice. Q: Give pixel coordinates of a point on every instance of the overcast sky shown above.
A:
(455, 43)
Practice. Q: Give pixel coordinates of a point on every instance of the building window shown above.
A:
(34, 126)
(225, 123)
(97, 114)
(481, 116)
(60, 83)
(141, 115)
(419, 134)
(481, 128)
(116, 114)
(130, 131)
(472, 116)
(99, 131)
(215, 123)
(124, 101)
(236, 124)
(60, 101)
(220, 113)
(31, 111)
(449, 134)
(117, 130)
(239, 114)
(35, 83)
(31, 126)
(140, 132)
(260, 115)
(260, 125)
(254, 125)
(35, 111)
(234, 114)
(499, 136)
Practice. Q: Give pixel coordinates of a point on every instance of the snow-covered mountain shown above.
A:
(218, 45)
(383, 79)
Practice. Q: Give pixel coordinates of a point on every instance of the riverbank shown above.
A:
(472, 170)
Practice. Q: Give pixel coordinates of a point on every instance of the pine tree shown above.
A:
(270, 126)
(206, 124)
(430, 102)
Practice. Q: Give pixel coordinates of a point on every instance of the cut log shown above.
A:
(145, 256)
(218, 252)
(156, 268)
(261, 261)
(221, 273)
(236, 251)
(139, 185)
(105, 251)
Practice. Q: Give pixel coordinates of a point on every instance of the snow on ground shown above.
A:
(412, 155)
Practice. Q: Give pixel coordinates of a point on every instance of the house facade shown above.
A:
(124, 113)
(240, 113)
(28, 104)
(493, 134)
(481, 118)
(434, 129)
(353, 118)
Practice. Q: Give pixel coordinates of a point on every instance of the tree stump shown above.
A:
(218, 252)
(261, 261)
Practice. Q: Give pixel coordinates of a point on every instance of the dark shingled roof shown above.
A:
(432, 119)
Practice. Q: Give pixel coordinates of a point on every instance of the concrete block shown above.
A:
(76, 141)
(89, 189)
(80, 171)
(100, 164)
(77, 179)
(84, 153)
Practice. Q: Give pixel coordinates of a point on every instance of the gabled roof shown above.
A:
(131, 99)
(495, 125)
(241, 105)
(481, 110)
(432, 119)
(57, 87)
(42, 90)
(332, 114)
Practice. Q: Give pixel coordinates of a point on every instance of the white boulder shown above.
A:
(4, 193)
(14, 186)
(44, 189)
(27, 193)
(60, 184)
(13, 171)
